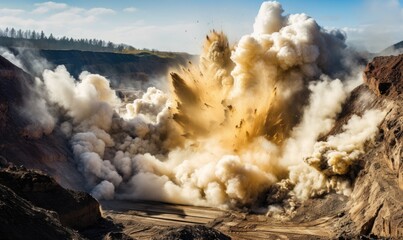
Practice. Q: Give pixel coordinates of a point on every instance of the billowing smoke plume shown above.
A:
(89, 102)
(41, 121)
(334, 157)
(240, 122)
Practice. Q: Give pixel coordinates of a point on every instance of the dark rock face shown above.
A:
(14, 85)
(384, 76)
(196, 232)
(105, 229)
(20, 219)
(74, 209)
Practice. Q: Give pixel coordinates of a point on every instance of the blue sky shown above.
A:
(180, 25)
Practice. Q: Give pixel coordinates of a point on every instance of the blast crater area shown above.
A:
(289, 133)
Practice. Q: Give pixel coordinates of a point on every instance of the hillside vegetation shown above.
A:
(12, 38)
(123, 65)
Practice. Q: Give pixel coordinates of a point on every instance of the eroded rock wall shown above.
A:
(376, 204)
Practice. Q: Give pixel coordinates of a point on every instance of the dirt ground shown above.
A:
(145, 219)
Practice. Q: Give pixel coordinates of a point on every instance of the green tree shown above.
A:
(19, 33)
(12, 33)
(33, 35)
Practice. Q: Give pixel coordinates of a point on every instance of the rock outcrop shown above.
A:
(375, 206)
(20, 219)
(75, 209)
(196, 232)
(33, 205)
(376, 203)
(384, 76)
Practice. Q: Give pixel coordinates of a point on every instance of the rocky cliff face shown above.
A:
(384, 77)
(377, 199)
(375, 207)
(20, 219)
(75, 209)
(33, 204)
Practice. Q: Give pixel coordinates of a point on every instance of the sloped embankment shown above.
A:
(375, 207)
(377, 199)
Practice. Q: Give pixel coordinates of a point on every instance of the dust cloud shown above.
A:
(248, 116)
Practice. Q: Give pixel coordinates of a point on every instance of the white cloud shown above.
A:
(130, 9)
(352, 30)
(100, 11)
(18, 22)
(11, 11)
(382, 24)
(65, 20)
(45, 7)
(69, 18)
